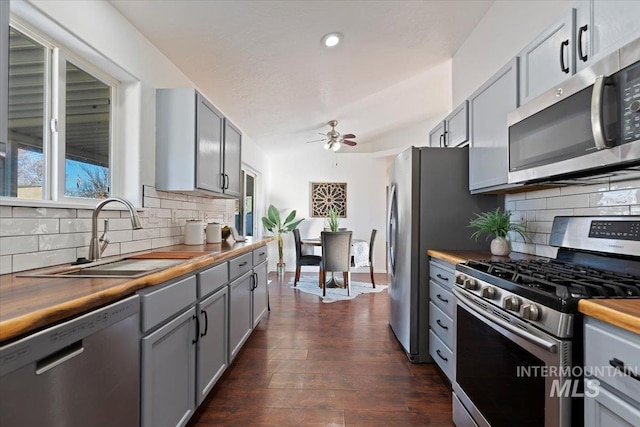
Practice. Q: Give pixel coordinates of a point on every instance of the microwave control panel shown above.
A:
(630, 88)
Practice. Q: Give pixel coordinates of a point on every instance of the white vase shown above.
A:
(500, 246)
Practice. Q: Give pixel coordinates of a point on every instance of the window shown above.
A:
(245, 220)
(60, 126)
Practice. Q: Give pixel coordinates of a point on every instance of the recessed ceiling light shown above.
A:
(331, 39)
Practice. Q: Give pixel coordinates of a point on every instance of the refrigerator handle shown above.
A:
(392, 229)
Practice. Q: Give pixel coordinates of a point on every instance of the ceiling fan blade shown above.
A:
(348, 136)
(316, 140)
(347, 142)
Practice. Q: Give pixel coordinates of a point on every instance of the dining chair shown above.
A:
(371, 242)
(336, 256)
(302, 259)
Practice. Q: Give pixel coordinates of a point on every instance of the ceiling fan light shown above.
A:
(327, 145)
(331, 39)
(336, 146)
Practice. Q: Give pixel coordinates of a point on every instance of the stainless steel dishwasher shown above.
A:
(83, 372)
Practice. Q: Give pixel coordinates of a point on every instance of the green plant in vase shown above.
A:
(334, 223)
(273, 223)
(498, 224)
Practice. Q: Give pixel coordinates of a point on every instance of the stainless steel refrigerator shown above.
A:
(429, 208)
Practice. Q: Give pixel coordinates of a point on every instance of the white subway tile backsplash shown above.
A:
(583, 189)
(612, 198)
(543, 194)
(532, 204)
(28, 261)
(604, 210)
(515, 196)
(28, 226)
(33, 237)
(550, 214)
(18, 244)
(573, 201)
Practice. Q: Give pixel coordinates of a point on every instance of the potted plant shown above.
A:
(273, 223)
(498, 224)
(334, 223)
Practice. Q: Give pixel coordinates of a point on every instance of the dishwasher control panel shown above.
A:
(41, 344)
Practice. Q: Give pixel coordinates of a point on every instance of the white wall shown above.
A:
(504, 31)
(366, 178)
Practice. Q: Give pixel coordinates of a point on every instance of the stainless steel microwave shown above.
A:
(587, 125)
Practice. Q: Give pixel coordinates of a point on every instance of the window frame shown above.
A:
(126, 139)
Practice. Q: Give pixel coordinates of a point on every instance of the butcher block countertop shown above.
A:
(456, 257)
(623, 313)
(30, 303)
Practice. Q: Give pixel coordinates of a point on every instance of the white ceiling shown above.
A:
(262, 63)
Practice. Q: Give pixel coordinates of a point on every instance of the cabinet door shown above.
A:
(212, 346)
(549, 59)
(168, 373)
(489, 136)
(436, 136)
(209, 150)
(603, 26)
(457, 126)
(4, 74)
(232, 159)
(240, 322)
(260, 293)
(605, 409)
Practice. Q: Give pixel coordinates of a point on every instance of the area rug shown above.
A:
(309, 285)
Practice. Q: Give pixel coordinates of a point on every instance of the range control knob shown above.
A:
(530, 311)
(488, 292)
(635, 106)
(469, 283)
(512, 303)
(459, 279)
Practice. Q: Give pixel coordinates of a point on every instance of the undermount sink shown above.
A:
(127, 267)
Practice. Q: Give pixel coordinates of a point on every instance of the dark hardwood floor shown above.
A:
(315, 364)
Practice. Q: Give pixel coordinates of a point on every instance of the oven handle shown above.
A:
(540, 342)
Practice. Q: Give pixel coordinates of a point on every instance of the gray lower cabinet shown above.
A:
(4, 73)
(240, 312)
(168, 353)
(213, 344)
(168, 372)
(488, 130)
(612, 381)
(260, 294)
(441, 315)
(549, 58)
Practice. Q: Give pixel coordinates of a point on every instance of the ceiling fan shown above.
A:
(333, 140)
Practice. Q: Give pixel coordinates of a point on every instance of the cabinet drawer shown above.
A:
(603, 344)
(444, 274)
(259, 255)
(441, 324)
(240, 265)
(606, 409)
(212, 279)
(441, 355)
(441, 297)
(158, 305)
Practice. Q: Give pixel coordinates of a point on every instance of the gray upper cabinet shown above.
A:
(456, 131)
(549, 59)
(232, 156)
(209, 164)
(4, 73)
(436, 136)
(192, 152)
(488, 130)
(603, 26)
(453, 131)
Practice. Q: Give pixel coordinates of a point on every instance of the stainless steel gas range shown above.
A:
(519, 339)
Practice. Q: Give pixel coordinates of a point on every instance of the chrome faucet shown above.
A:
(95, 247)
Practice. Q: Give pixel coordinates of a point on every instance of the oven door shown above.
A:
(505, 374)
